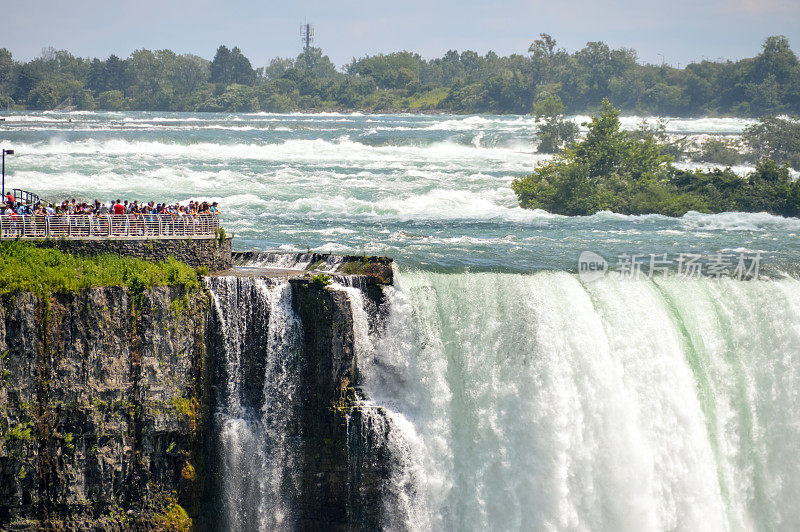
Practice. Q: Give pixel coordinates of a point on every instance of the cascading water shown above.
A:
(388, 434)
(255, 401)
(541, 402)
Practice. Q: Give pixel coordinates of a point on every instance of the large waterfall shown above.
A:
(537, 402)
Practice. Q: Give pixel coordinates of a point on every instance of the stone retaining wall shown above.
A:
(213, 253)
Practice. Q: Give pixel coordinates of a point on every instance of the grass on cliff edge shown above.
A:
(42, 271)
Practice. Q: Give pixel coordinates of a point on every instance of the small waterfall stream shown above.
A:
(255, 401)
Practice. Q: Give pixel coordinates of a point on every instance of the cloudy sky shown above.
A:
(678, 31)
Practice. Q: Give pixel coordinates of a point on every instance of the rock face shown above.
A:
(344, 463)
(325, 385)
(102, 406)
(110, 407)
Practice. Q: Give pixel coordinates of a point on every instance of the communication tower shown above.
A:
(306, 35)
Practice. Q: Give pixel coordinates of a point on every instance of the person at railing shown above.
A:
(39, 225)
(138, 212)
(12, 227)
(141, 217)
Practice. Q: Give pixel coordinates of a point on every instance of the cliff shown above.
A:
(171, 407)
(101, 407)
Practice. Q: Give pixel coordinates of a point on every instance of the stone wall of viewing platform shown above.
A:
(213, 253)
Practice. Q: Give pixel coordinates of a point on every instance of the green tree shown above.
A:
(43, 96)
(315, 63)
(508, 92)
(237, 98)
(776, 59)
(719, 151)
(393, 71)
(545, 58)
(189, 72)
(627, 173)
(775, 138)
(764, 85)
(609, 169)
(278, 67)
(231, 66)
(552, 129)
(27, 77)
(84, 100)
(115, 73)
(6, 69)
(111, 101)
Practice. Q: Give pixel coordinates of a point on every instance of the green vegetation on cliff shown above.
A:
(465, 82)
(628, 173)
(26, 268)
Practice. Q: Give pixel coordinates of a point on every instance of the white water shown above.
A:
(536, 402)
(431, 191)
(256, 451)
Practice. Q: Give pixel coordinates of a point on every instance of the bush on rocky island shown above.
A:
(629, 173)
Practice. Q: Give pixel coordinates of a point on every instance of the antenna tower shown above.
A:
(306, 35)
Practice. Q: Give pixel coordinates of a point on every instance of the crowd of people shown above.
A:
(72, 207)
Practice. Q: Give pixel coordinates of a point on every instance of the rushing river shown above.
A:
(522, 395)
(430, 191)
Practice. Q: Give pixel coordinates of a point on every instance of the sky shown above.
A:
(675, 32)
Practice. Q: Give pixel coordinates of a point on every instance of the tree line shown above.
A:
(465, 82)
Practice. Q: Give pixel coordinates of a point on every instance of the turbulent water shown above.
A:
(430, 191)
(519, 394)
(538, 402)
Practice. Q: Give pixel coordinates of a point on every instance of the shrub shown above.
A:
(775, 138)
(321, 280)
(719, 151)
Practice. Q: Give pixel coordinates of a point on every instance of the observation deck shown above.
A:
(199, 241)
(86, 226)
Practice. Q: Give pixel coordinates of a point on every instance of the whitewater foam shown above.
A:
(536, 402)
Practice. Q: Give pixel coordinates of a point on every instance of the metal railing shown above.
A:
(24, 196)
(109, 226)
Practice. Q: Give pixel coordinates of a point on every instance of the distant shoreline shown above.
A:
(370, 112)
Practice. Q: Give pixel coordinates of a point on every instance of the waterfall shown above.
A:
(385, 432)
(255, 401)
(540, 402)
(507, 402)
